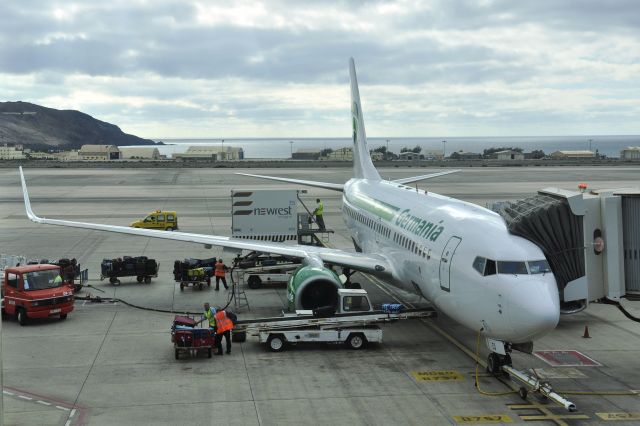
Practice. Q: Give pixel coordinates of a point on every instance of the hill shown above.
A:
(42, 128)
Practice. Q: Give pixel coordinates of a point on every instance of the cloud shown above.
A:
(198, 68)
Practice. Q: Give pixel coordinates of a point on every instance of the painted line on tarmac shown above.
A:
(61, 405)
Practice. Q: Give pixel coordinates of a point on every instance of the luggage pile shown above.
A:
(194, 272)
(188, 339)
(140, 267)
(70, 271)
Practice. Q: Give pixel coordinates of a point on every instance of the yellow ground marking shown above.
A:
(483, 419)
(545, 414)
(437, 376)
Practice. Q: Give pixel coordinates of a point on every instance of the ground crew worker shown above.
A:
(210, 315)
(58, 279)
(220, 274)
(319, 212)
(224, 327)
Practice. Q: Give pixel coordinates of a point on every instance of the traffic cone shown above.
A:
(586, 332)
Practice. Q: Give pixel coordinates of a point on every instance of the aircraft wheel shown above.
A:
(493, 364)
(139, 278)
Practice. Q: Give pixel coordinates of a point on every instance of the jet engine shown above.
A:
(312, 287)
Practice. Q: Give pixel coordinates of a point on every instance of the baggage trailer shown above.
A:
(194, 272)
(355, 323)
(140, 267)
(187, 339)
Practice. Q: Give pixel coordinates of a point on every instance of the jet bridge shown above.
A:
(591, 240)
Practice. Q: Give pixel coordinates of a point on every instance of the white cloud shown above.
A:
(279, 68)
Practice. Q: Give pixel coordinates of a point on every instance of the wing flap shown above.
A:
(316, 184)
(423, 177)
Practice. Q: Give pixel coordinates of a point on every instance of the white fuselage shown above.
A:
(437, 245)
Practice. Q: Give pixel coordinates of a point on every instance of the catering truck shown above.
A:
(36, 291)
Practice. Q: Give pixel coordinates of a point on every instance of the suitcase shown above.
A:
(185, 321)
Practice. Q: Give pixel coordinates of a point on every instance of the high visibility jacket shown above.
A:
(320, 209)
(57, 280)
(223, 322)
(210, 316)
(219, 272)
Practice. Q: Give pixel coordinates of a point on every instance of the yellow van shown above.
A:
(158, 220)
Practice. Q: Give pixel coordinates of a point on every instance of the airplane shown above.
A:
(457, 255)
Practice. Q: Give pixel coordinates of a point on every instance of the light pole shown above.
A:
(444, 149)
(590, 144)
(291, 146)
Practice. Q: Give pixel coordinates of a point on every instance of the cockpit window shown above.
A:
(479, 263)
(484, 266)
(514, 268)
(539, 267)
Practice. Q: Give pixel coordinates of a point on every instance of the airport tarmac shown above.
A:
(114, 364)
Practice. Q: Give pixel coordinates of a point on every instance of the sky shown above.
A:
(208, 69)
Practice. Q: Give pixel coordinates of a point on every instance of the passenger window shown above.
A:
(512, 268)
(170, 218)
(160, 218)
(479, 264)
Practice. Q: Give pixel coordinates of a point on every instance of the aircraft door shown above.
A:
(445, 262)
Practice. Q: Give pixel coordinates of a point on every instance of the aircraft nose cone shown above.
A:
(535, 311)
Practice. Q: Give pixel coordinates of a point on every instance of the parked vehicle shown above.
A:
(164, 220)
(36, 291)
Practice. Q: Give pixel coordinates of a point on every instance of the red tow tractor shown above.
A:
(35, 291)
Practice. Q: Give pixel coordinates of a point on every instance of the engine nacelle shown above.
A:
(311, 287)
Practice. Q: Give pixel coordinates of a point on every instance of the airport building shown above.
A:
(306, 154)
(572, 154)
(340, 154)
(509, 155)
(630, 153)
(216, 153)
(11, 152)
(99, 153)
(140, 153)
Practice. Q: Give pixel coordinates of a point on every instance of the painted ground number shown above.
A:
(619, 416)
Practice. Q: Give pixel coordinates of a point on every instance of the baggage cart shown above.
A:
(187, 339)
(140, 267)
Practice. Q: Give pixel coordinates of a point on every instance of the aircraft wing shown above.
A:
(323, 185)
(423, 177)
(370, 263)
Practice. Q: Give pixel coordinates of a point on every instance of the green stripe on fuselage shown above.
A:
(376, 207)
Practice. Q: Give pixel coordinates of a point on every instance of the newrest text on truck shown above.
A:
(33, 291)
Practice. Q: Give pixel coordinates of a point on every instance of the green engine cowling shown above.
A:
(311, 287)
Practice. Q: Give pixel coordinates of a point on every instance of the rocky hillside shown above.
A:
(41, 128)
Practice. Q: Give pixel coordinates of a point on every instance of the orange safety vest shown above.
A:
(219, 270)
(223, 322)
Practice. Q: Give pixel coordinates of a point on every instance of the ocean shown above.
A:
(275, 148)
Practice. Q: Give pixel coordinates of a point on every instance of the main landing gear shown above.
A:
(499, 363)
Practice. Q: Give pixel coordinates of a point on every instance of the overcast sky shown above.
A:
(280, 68)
